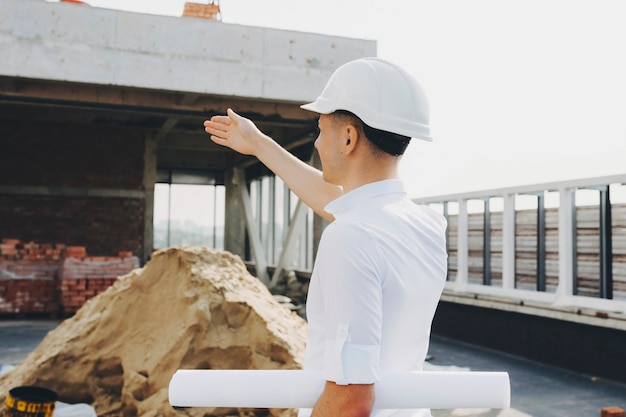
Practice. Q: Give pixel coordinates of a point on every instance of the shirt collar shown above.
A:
(365, 192)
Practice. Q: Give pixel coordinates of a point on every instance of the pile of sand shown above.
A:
(188, 308)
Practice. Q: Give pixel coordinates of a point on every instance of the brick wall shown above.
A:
(104, 225)
(56, 158)
(71, 156)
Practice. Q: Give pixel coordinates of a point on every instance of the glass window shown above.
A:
(189, 214)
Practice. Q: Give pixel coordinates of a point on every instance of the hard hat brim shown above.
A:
(412, 130)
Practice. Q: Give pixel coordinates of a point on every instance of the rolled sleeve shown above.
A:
(353, 306)
(347, 363)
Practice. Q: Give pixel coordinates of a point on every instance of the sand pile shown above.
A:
(188, 308)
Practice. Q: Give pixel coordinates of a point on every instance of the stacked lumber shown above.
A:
(587, 241)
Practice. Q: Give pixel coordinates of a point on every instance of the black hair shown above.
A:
(388, 142)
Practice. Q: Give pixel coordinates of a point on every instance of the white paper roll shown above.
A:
(301, 389)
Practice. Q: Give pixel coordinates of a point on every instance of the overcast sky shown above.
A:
(521, 92)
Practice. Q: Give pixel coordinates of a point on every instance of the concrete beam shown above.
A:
(70, 191)
(67, 42)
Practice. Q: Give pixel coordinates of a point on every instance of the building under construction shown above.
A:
(101, 109)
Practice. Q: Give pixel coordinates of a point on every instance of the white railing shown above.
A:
(563, 301)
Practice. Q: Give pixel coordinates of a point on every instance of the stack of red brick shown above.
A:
(54, 278)
(82, 279)
(202, 10)
(29, 277)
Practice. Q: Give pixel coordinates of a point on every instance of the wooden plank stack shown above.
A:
(588, 249)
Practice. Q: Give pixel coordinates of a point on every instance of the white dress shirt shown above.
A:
(378, 276)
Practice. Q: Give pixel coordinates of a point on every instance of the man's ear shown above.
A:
(352, 138)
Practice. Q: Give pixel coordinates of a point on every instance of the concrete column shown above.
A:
(149, 179)
(234, 226)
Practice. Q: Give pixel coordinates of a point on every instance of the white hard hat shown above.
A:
(381, 94)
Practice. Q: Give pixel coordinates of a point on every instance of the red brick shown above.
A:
(206, 11)
(75, 251)
(612, 412)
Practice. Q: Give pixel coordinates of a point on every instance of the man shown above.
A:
(381, 263)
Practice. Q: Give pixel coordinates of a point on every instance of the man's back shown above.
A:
(379, 273)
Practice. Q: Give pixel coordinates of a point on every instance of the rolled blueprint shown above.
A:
(301, 389)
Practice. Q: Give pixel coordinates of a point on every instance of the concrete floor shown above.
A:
(536, 390)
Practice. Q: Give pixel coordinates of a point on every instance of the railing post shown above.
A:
(566, 243)
(540, 253)
(446, 215)
(541, 241)
(574, 244)
(606, 245)
(486, 242)
(508, 242)
(462, 246)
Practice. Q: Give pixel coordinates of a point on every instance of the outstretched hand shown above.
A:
(235, 132)
(242, 135)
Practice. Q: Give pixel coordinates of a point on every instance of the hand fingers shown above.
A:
(219, 125)
(218, 140)
(232, 115)
(215, 129)
(221, 119)
(213, 125)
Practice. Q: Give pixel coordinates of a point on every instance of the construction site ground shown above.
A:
(536, 390)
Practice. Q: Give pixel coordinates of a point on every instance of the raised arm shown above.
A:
(242, 135)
